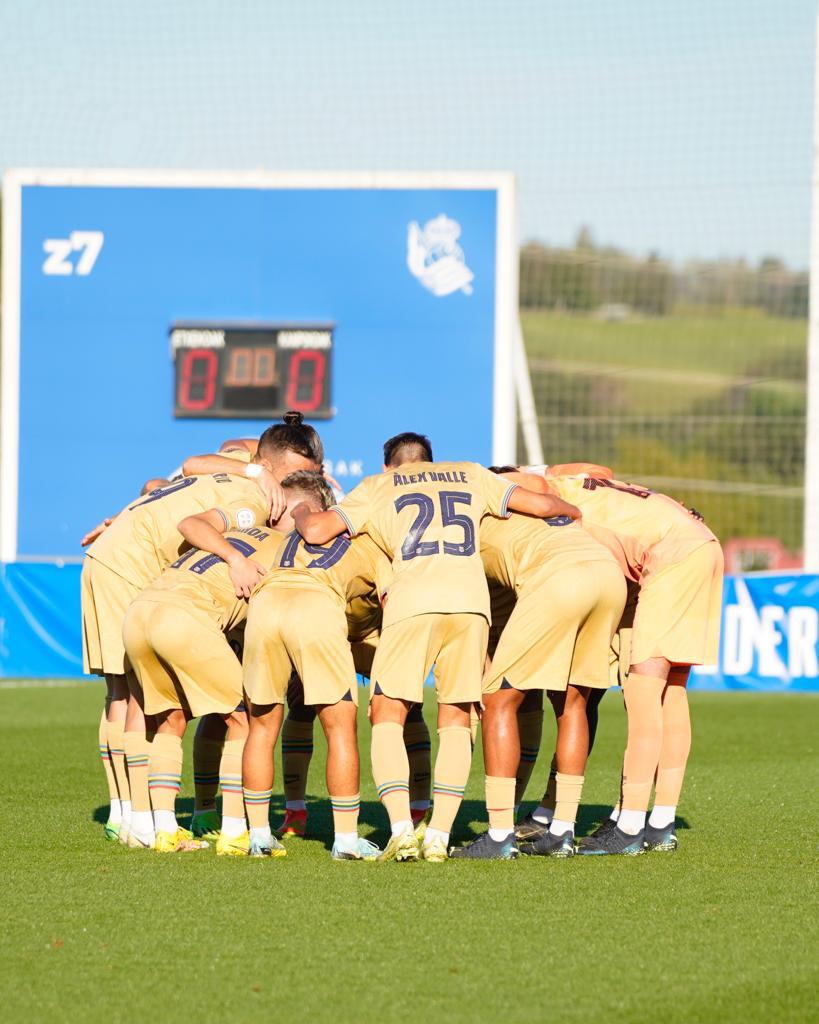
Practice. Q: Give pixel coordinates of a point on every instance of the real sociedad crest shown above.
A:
(436, 259)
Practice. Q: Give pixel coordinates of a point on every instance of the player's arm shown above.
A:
(318, 527)
(205, 531)
(202, 465)
(240, 444)
(574, 468)
(542, 505)
(92, 535)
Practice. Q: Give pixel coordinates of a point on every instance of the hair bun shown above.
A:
(293, 418)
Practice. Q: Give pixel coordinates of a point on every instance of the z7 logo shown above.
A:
(59, 259)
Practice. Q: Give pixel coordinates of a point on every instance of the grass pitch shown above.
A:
(723, 930)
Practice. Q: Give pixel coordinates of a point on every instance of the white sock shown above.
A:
(402, 826)
(115, 812)
(498, 834)
(419, 805)
(232, 827)
(615, 814)
(263, 836)
(436, 833)
(165, 821)
(543, 814)
(558, 827)
(631, 822)
(142, 823)
(125, 806)
(346, 840)
(662, 816)
(295, 805)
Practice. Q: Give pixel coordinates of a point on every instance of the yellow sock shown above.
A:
(137, 754)
(643, 696)
(391, 770)
(451, 775)
(530, 728)
(116, 747)
(345, 812)
(230, 779)
(165, 772)
(676, 747)
(569, 792)
(500, 797)
(297, 751)
(207, 756)
(419, 754)
(105, 757)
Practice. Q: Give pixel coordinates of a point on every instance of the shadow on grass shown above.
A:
(471, 820)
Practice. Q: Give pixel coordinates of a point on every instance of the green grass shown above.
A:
(724, 929)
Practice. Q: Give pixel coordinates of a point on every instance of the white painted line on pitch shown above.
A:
(44, 684)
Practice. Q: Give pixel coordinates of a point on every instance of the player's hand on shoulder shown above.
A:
(273, 493)
(92, 535)
(244, 574)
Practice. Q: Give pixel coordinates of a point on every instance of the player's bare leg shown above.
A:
(676, 745)
(501, 754)
(139, 733)
(452, 766)
(257, 776)
(296, 754)
(390, 767)
(419, 754)
(344, 779)
(116, 710)
(208, 747)
(233, 831)
(164, 780)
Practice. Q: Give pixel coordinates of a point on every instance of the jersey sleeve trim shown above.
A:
(505, 513)
(350, 528)
(225, 518)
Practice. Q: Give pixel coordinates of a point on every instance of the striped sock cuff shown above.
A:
(529, 754)
(117, 751)
(257, 796)
(297, 746)
(231, 783)
(104, 752)
(136, 760)
(442, 789)
(343, 804)
(413, 748)
(205, 778)
(397, 786)
(165, 780)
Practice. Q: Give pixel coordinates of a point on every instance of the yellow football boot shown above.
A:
(404, 846)
(181, 841)
(233, 846)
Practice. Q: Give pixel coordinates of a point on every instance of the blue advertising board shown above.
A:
(770, 629)
(407, 281)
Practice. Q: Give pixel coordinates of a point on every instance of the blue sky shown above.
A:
(678, 125)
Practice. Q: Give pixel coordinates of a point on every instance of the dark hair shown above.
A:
(407, 447)
(503, 469)
(311, 485)
(293, 435)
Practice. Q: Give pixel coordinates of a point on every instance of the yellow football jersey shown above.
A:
(202, 580)
(238, 454)
(645, 531)
(512, 549)
(426, 516)
(350, 569)
(144, 540)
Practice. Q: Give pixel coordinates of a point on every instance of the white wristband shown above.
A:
(253, 470)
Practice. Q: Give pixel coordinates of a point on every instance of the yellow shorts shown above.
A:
(679, 611)
(560, 630)
(364, 652)
(455, 644)
(305, 630)
(182, 659)
(105, 597)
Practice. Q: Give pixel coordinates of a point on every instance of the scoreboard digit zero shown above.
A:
(251, 371)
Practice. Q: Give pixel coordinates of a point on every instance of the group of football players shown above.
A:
(242, 586)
